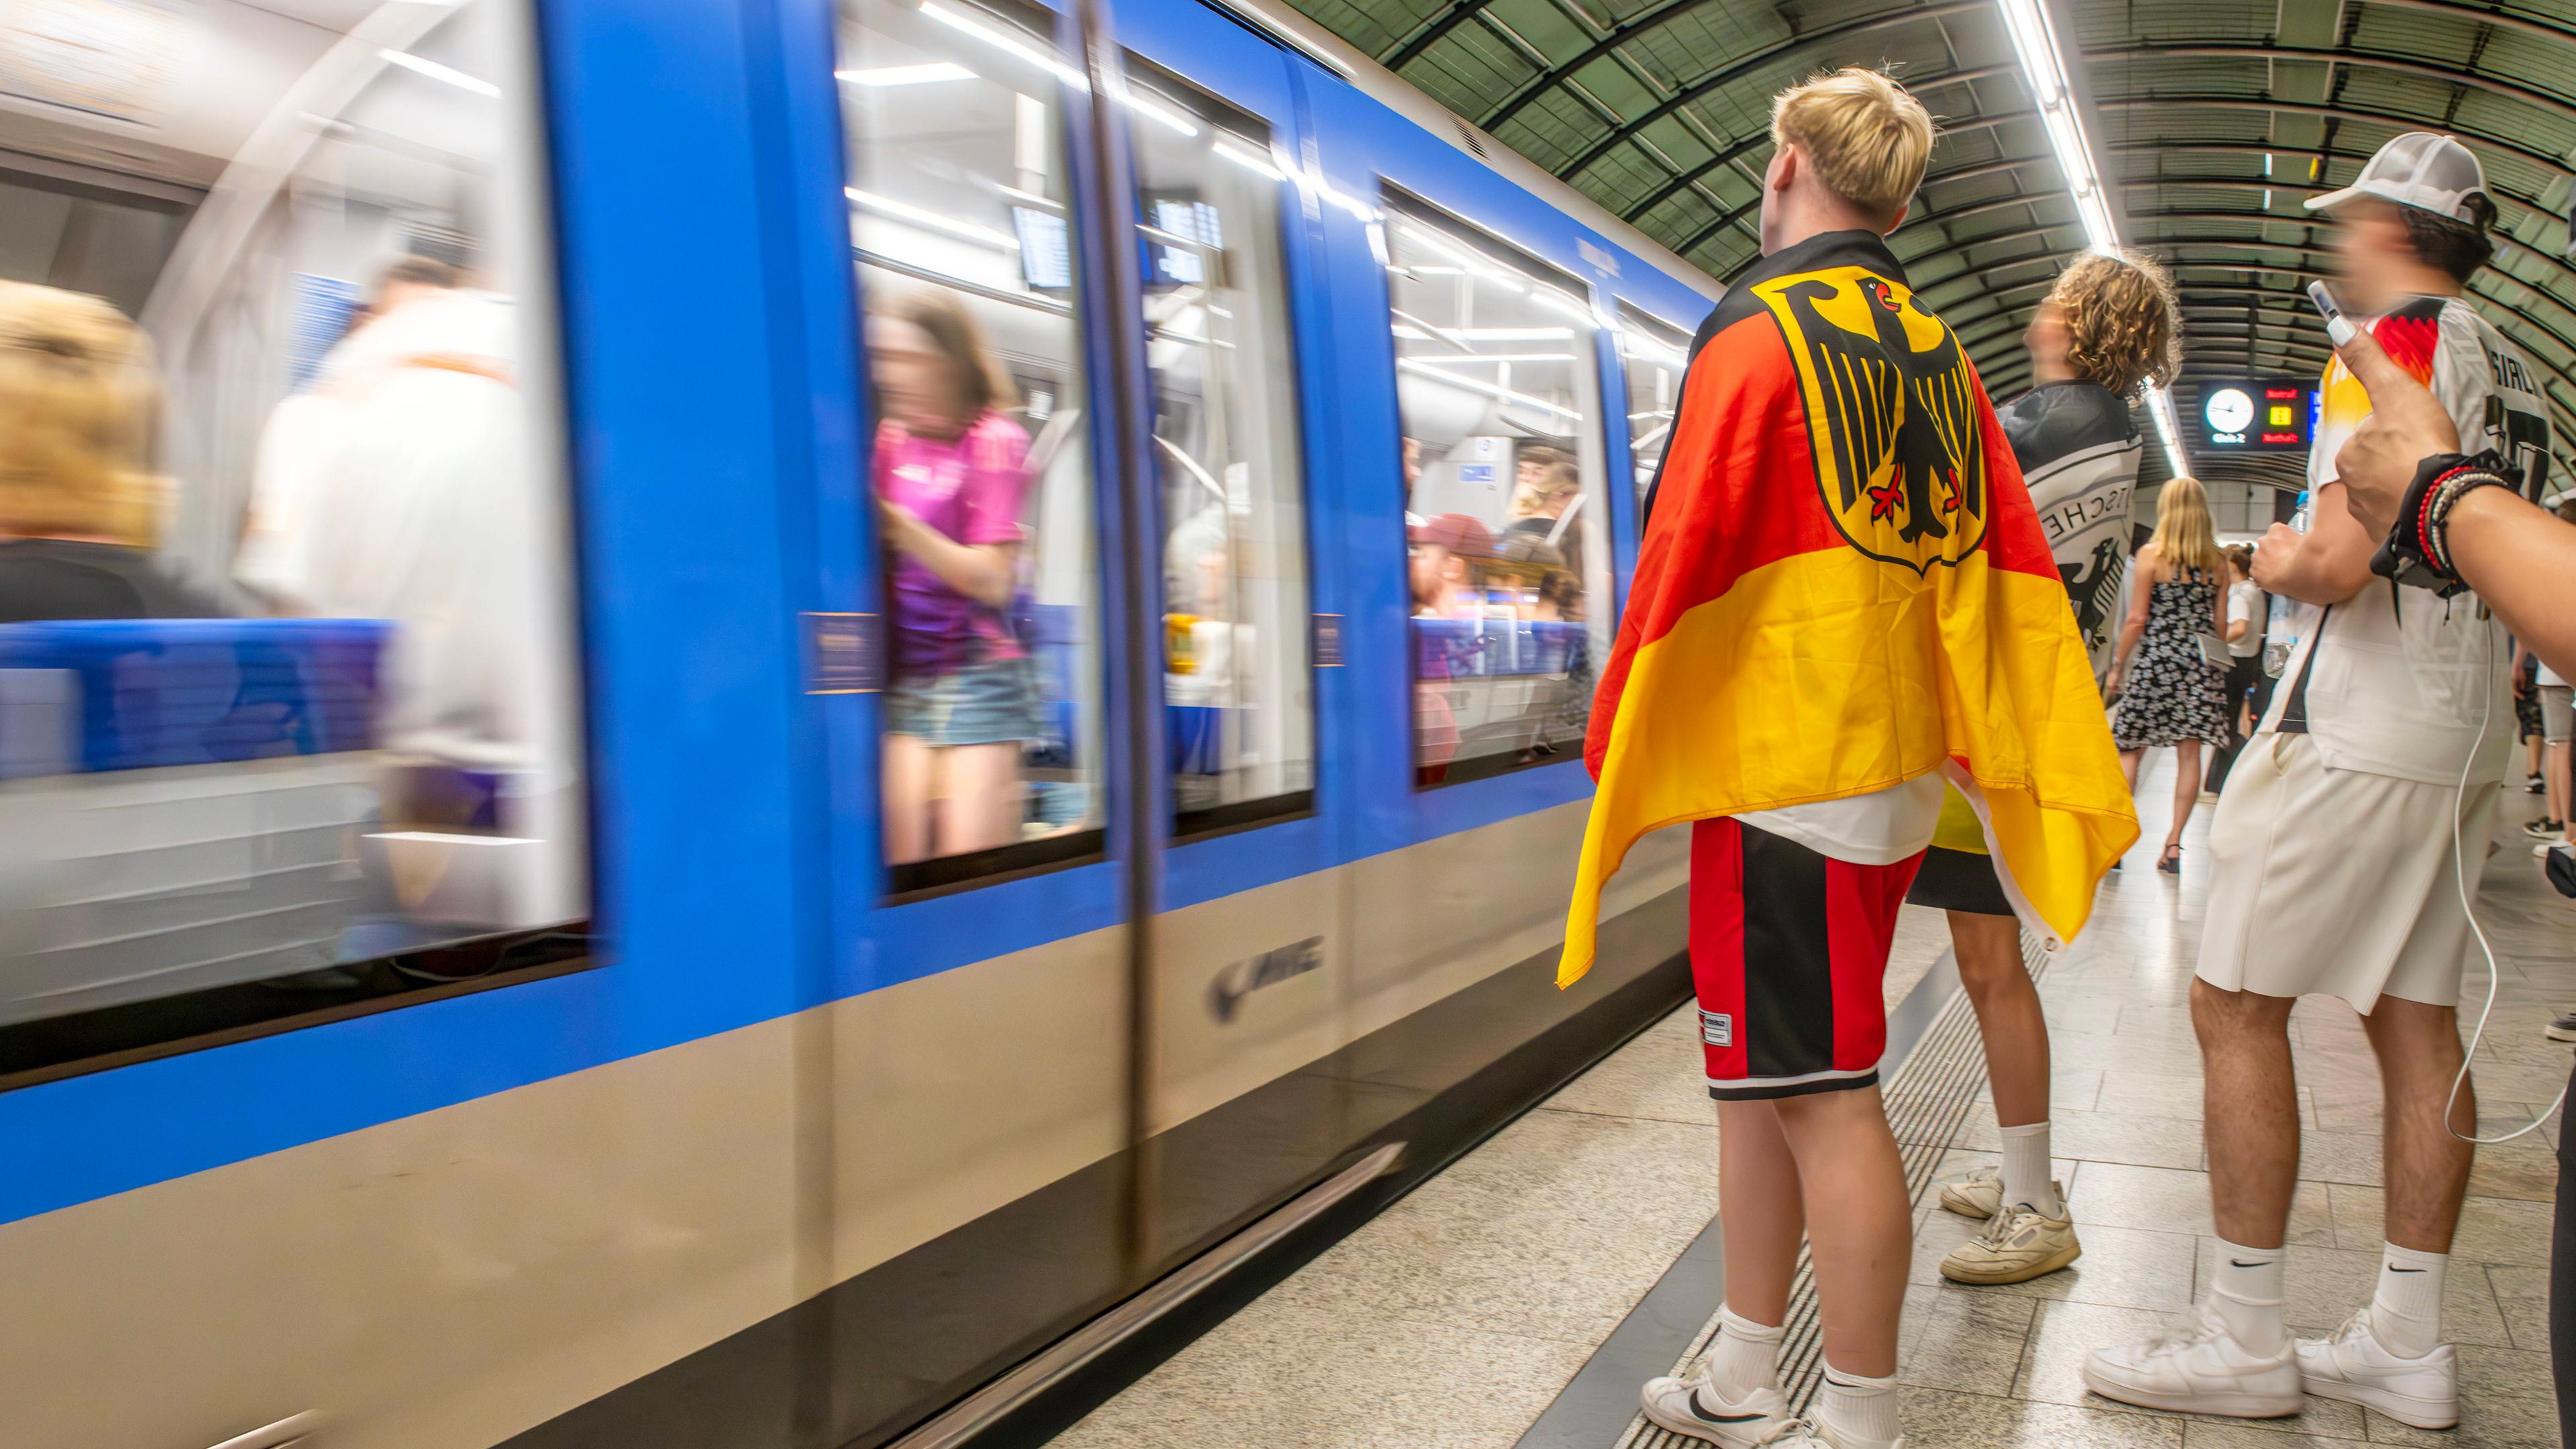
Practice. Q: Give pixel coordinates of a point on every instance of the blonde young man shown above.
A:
(1844, 601)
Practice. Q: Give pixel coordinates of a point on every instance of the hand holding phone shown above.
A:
(2336, 327)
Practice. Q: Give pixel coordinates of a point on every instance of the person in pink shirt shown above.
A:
(951, 471)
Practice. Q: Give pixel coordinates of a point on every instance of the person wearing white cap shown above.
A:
(2347, 841)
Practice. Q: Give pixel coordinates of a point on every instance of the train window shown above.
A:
(1652, 353)
(1497, 382)
(288, 721)
(1237, 692)
(960, 215)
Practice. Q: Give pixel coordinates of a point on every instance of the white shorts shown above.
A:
(2337, 882)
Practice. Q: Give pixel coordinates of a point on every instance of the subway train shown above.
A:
(591, 933)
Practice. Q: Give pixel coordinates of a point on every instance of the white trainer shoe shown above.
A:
(2019, 1244)
(2356, 1367)
(1688, 1406)
(2198, 1367)
(1978, 1195)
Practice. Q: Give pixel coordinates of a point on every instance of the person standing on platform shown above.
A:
(2348, 842)
(1843, 599)
(2171, 692)
(2108, 328)
(2244, 636)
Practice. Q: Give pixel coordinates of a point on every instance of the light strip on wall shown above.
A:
(2043, 65)
(906, 75)
(924, 216)
(437, 72)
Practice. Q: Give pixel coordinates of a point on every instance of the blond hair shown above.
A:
(2184, 536)
(1868, 137)
(78, 405)
(2123, 326)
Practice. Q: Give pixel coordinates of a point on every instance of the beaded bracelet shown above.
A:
(2417, 551)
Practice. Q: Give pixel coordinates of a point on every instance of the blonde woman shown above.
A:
(80, 508)
(2170, 693)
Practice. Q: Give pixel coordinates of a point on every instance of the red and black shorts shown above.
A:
(1788, 949)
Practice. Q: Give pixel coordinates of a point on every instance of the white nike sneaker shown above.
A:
(2019, 1244)
(1687, 1406)
(2356, 1367)
(2198, 1367)
(1978, 1195)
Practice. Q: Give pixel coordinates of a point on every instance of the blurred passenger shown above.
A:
(2334, 845)
(951, 473)
(406, 488)
(2171, 695)
(297, 447)
(1546, 485)
(1447, 553)
(80, 508)
(2108, 328)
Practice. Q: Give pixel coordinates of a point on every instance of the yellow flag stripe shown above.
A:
(1829, 675)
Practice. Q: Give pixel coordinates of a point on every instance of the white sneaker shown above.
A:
(2019, 1244)
(1688, 1406)
(2197, 1367)
(1978, 1195)
(2356, 1367)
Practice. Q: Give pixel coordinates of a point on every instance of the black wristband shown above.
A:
(2416, 552)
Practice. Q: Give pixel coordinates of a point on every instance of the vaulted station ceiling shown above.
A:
(2215, 118)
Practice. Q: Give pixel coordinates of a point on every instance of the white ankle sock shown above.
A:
(1745, 1357)
(2026, 1177)
(2247, 1294)
(1861, 1411)
(2406, 1308)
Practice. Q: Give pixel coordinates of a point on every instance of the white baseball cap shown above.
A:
(2420, 169)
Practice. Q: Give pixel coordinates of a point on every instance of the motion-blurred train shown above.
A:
(542, 961)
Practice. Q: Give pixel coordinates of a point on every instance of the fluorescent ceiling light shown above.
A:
(1514, 334)
(1497, 357)
(437, 72)
(1247, 158)
(1478, 385)
(923, 216)
(906, 75)
(2043, 67)
(1156, 111)
(1005, 42)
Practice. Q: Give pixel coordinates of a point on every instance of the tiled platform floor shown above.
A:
(1453, 1319)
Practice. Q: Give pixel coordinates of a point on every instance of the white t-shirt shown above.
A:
(2550, 678)
(2245, 601)
(2398, 682)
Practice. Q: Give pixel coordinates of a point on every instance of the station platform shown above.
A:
(1518, 1299)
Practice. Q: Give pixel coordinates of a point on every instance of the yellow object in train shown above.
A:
(1180, 643)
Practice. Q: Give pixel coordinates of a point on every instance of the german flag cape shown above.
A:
(1844, 586)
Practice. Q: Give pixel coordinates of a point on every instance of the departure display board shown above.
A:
(2257, 415)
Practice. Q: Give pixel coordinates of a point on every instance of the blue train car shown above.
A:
(835, 907)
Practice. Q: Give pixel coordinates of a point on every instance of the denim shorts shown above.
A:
(992, 703)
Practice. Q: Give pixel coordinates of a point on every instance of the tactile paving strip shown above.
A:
(1927, 1099)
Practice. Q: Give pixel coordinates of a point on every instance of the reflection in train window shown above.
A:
(960, 217)
(1237, 695)
(1498, 385)
(1653, 353)
(287, 713)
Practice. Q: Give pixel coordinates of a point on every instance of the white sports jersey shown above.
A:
(2395, 681)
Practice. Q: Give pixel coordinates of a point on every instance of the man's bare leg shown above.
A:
(2426, 1172)
(1847, 1157)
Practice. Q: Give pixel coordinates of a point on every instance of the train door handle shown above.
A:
(293, 1430)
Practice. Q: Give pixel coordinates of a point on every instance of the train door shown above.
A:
(1250, 946)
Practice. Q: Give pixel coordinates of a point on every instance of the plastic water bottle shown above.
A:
(2281, 629)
